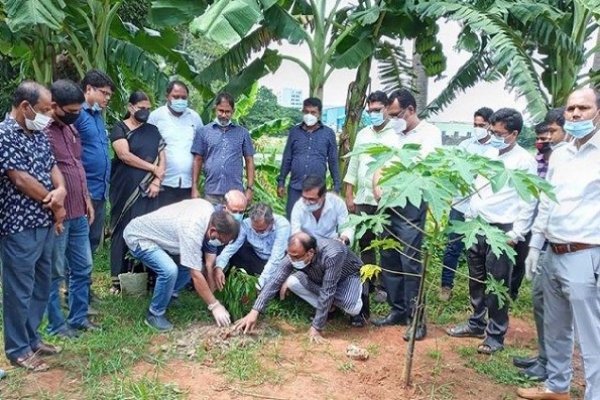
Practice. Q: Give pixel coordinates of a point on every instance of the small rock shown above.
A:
(357, 353)
(181, 343)
(164, 348)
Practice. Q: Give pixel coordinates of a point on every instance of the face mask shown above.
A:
(68, 118)
(543, 147)
(377, 118)
(498, 143)
(179, 105)
(399, 125)
(313, 207)
(215, 242)
(223, 122)
(40, 122)
(310, 120)
(238, 216)
(479, 133)
(580, 129)
(264, 234)
(96, 107)
(142, 115)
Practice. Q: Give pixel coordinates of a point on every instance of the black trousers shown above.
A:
(482, 262)
(172, 195)
(403, 290)
(522, 249)
(369, 256)
(247, 259)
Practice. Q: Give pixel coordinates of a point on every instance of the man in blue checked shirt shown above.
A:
(259, 248)
(310, 148)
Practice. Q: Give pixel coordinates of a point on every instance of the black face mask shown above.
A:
(543, 147)
(68, 118)
(142, 115)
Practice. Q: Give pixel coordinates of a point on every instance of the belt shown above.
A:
(563, 248)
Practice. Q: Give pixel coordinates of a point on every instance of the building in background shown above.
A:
(290, 97)
(454, 132)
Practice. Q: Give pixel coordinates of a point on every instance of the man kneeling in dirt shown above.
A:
(179, 229)
(323, 272)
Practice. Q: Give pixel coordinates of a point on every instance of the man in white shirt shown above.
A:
(508, 212)
(478, 144)
(179, 230)
(178, 126)
(407, 223)
(571, 274)
(321, 214)
(260, 247)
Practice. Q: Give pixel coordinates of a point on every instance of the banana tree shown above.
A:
(539, 47)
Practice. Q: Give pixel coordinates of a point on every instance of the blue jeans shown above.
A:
(26, 273)
(453, 250)
(72, 248)
(171, 278)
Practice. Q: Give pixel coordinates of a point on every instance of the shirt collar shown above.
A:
(303, 126)
(215, 125)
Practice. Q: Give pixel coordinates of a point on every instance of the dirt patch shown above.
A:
(50, 383)
(300, 370)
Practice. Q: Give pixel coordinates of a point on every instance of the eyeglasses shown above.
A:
(106, 93)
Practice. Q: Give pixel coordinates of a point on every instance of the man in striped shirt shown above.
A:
(322, 272)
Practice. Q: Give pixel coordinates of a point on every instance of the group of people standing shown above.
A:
(56, 176)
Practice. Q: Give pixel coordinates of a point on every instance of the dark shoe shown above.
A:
(421, 332)
(446, 294)
(524, 362)
(88, 327)
(175, 302)
(46, 349)
(391, 319)
(67, 333)
(94, 299)
(490, 346)
(161, 324)
(91, 312)
(30, 362)
(536, 373)
(464, 331)
(358, 321)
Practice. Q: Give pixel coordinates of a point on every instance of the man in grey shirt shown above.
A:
(322, 272)
(221, 147)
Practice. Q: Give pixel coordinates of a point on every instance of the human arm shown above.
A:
(199, 152)
(282, 234)
(209, 267)
(296, 218)
(121, 148)
(524, 220)
(342, 219)
(377, 192)
(286, 162)
(219, 312)
(250, 177)
(232, 248)
(332, 158)
(154, 189)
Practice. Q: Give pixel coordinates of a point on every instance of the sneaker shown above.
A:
(446, 294)
(160, 323)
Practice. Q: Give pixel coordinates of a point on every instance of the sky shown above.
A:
(492, 95)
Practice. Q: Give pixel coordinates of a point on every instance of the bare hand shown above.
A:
(59, 228)
(160, 173)
(219, 278)
(59, 215)
(249, 194)
(89, 211)
(315, 336)
(153, 190)
(377, 193)
(350, 203)
(195, 193)
(283, 291)
(248, 323)
(281, 192)
(511, 243)
(55, 198)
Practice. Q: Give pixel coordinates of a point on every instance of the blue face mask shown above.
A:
(580, 129)
(179, 105)
(498, 142)
(215, 242)
(238, 216)
(377, 118)
(96, 107)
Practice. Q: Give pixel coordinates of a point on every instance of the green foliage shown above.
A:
(266, 110)
(135, 12)
(499, 289)
(239, 293)
(24, 13)
(495, 237)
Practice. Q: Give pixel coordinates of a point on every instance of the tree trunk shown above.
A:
(420, 82)
(355, 103)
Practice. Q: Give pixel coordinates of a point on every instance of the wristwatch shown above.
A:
(250, 188)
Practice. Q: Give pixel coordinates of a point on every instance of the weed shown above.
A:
(434, 354)
(373, 349)
(346, 367)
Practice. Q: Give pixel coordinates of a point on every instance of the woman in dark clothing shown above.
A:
(137, 171)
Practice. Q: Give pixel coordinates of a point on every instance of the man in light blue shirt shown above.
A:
(178, 125)
(259, 248)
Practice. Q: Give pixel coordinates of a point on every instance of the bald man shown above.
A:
(322, 272)
(32, 194)
(571, 277)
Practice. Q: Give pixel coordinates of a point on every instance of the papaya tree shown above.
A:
(438, 179)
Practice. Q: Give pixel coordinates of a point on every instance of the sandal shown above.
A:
(465, 331)
(490, 347)
(115, 289)
(30, 362)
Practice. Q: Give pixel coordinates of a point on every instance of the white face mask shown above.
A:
(399, 125)
(313, 207)
(215, 242)
(40, 122)
(310, 120)
(479, 133)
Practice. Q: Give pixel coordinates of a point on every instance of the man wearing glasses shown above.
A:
(505, 210)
